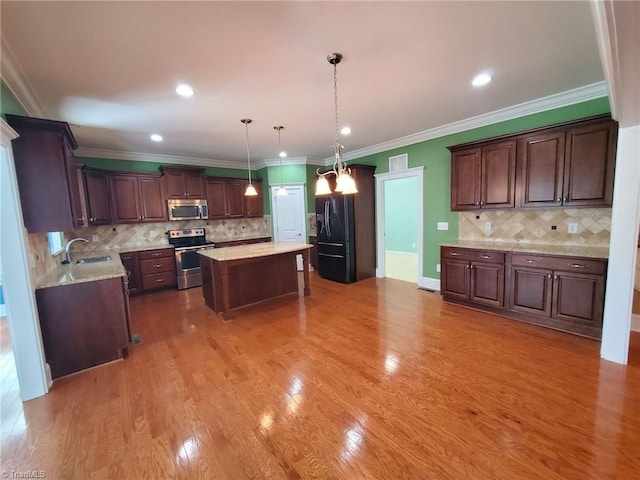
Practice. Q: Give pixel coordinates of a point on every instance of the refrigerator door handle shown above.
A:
(327, 217)
(330, 255)
(331, 244)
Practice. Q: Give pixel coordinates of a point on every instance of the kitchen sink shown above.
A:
(94, 259)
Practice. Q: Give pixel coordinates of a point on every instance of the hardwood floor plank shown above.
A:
(373, 380)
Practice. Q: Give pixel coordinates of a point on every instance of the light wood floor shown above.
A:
(366, 381)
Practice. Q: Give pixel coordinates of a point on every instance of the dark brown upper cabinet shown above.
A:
(137, 198)
(484, 177)
(573, 167)
(184, 182)
(46, 173)
(96, 183)
(253, 205)
(565, 165)
(225, 198)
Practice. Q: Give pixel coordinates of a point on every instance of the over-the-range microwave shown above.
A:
(188, 209)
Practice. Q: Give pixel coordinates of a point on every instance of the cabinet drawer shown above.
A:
(567, 264)
(487, 256)
(158, 280)
(157, 265)
(151, 254)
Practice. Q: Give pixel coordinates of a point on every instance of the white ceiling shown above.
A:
(110, 69)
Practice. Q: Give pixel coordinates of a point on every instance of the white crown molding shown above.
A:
(6, 131)
(153, 157)
(13, 76)
(570, 97)
(272, 162)
(608, 56)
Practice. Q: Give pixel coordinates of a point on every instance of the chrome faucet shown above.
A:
(67, 248)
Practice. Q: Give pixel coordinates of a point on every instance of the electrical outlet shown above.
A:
(572, 227)
(443, 225)
(487, 226)
(437, 267)
(94, 238)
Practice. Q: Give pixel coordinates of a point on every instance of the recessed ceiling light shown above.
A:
(345, 131)
(155, 137)
(184, 90)
(283, 154)
(481, 80)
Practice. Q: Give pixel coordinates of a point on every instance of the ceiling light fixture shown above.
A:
(345, 183)
(251, 190)
(282, 192)
(345, 131)
(156, 137)
(481, 80)
(184, 90)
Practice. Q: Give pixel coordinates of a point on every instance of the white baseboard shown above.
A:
(635, 322)
(430, 283)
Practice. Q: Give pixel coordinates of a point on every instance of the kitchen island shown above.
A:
(234, 277)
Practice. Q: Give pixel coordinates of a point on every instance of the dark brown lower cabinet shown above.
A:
(150, 270)
(566, 293)
(560, 292)
(473, 275)
(83, 324)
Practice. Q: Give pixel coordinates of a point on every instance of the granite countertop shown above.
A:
(572, 251)
(84, 272)
(254, 250)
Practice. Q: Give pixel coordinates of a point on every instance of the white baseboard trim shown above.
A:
(430, 283)
(635, 322)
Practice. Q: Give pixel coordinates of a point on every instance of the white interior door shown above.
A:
(289, 218)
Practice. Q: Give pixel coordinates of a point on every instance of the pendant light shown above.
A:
(251, 190)
(282, 192)
(345, 183)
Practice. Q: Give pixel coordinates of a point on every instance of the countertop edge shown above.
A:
(542, 249)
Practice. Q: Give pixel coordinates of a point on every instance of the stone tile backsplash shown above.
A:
(535, 226)
(128, 236)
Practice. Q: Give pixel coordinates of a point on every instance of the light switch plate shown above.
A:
(487, 225)
(437, 267)
(443, 225)
(94, 238)
(572, 228)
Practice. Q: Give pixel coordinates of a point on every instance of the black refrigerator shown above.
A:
(336, 237)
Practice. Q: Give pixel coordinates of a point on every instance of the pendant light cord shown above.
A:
(246, 128)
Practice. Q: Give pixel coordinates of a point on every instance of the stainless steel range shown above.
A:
(187, 242)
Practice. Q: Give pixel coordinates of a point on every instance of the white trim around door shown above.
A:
(381, 178)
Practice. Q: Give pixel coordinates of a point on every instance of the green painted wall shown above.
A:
(434, 156)
(400, 219)
(8, 102)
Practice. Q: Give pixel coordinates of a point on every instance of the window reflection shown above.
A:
(391, 363)
(188, 450)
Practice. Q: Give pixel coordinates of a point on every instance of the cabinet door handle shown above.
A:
(559, 199)
(549, 276)
(160, 280)
(578, 265)
(486, 256)
(157, 265)
(467, 265)
(555, 277)
(532, 261)
(155, 254)
(454, 254)
(564, 199)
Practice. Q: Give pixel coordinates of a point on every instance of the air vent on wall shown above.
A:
(399, 162)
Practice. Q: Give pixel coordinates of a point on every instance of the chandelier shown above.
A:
(282, 192)
(251, 190)
(345, 183)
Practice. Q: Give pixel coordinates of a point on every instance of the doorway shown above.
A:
(399, 222)
(289, 216)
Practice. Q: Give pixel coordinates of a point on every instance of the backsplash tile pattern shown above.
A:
(534, 226)
(41, 261)
(131, 236)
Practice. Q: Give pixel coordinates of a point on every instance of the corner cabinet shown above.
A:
(564, 165)
(137, 198)
(46, 172)
(560, 292)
